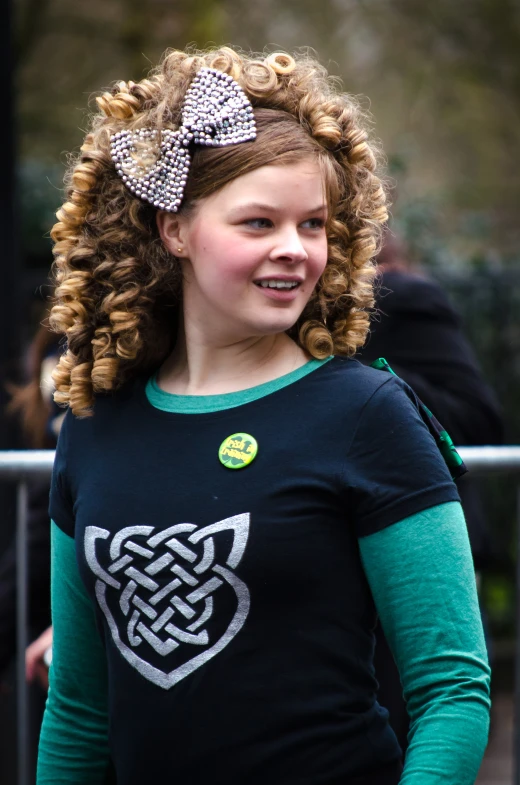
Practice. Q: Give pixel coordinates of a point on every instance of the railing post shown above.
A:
(21, 631)
(516, 737)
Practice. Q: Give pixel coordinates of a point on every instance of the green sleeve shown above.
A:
(421, 575)
(74, 738)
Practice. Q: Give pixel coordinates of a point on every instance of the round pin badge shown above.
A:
(238, 450)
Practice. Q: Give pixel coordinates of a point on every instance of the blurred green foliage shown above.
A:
(39, 196)
(499, 602)
(443, 81)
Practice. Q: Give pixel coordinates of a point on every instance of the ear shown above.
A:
(173, 232)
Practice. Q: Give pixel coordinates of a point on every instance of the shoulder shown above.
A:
(346, 374)
(393, 466)
(109, 409)
(410, 292)
(401, 282)
(374, 401)
(346, 388)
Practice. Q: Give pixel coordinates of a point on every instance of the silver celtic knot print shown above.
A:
(163, 592)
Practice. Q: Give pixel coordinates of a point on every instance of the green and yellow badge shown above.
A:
(238, 450)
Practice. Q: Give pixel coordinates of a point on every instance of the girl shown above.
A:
(234, 498)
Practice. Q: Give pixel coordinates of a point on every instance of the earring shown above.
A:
(179, 250)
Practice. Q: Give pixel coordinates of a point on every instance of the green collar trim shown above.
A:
(203, 404)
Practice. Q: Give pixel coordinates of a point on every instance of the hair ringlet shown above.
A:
(281, 63)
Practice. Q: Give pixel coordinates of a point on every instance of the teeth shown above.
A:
(278, 284)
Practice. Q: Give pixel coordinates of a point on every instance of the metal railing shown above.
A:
(20, 465)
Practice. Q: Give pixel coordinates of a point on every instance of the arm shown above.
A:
(35, 660)
(74, 739)
(421, 576)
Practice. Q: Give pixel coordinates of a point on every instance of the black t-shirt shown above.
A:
(237, 620)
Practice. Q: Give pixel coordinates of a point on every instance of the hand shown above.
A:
(36, 664)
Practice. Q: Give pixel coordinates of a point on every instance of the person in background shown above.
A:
(31, 403)
(419, 333)
(38, 658)
(40, 419)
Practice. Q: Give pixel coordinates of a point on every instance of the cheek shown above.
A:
(236, 257)
(219, 256)
(319, 261)
(231, 264)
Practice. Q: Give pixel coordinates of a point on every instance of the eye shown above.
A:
(259, 223)
(314, 223)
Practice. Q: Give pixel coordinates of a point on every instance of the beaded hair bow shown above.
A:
(155, 165)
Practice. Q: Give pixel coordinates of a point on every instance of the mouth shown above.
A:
(278, 283)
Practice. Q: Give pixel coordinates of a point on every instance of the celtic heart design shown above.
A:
(160, 593)
(155, 165)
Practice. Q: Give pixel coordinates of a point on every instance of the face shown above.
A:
(253, 251)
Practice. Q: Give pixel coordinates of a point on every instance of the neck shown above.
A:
(203, 367)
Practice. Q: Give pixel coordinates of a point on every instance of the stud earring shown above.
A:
(179, 250)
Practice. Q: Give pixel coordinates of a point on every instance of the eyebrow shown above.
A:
(269, 208)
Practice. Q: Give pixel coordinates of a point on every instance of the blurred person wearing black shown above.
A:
(419, 333)
(39, 418)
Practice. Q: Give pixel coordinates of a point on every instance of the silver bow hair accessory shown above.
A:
(154, 165)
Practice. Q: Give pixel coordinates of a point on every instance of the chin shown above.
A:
(273, 327)
(268, 321)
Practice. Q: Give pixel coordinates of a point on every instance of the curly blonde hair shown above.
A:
(118, 289)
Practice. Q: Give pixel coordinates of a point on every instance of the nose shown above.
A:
(288, 247)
